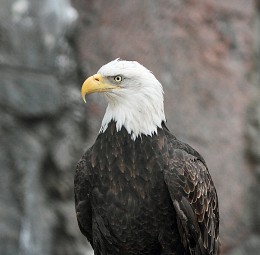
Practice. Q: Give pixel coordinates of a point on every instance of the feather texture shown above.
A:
(151, 195)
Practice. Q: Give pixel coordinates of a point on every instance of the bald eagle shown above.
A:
(138, 189)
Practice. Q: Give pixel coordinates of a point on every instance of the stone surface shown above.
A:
(249, 247)
(38, 27)
(30, 95)
(23, 155)
(42, 125)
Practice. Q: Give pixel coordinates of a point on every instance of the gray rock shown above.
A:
(23, 155)
(38, 115)
(250, 247)
(10, 212)
(71, 128)
(30, 95)
(32, 30)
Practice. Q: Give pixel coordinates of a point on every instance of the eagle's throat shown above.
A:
(138, 114)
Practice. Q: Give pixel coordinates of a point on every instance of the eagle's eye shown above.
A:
(118, 78)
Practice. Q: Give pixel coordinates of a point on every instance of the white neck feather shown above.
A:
(140, 111)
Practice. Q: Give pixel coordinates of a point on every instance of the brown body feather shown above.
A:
(153, 195)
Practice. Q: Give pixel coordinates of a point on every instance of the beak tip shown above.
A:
(84, 99)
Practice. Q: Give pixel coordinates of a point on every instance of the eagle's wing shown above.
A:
(195, 201)
(82, 201)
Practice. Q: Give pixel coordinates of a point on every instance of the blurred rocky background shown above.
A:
(205, 52)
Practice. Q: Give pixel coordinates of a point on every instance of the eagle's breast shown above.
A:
(129, 194)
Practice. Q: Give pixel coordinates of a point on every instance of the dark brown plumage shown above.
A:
(152, 195)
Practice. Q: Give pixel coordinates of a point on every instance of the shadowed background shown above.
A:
(205, 53)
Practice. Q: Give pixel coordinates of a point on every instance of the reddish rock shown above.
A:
(201, 51)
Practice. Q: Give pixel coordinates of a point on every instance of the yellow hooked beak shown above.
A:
(94, 84)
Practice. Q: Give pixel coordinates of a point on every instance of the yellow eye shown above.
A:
(118, 78)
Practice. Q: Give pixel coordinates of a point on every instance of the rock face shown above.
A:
(42, 127)
(202, 52)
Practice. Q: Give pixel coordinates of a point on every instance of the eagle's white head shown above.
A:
(134, 95)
